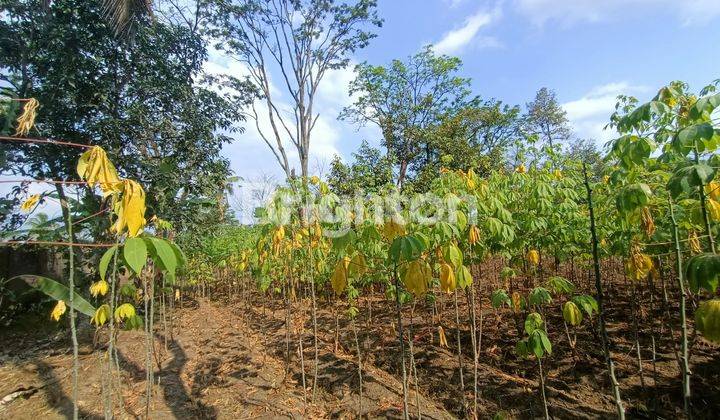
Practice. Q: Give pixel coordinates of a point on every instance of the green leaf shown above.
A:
(135, 253)
(560, 285)
(540, 296)
(686, 179)
(695, 132)
(179, 255)
(533, 322)
(498, 298)
(452, 255)
(163, 253)
(341, 242)
(705, 106)
(702, 272)
(463, 277)
(59, 291)
(545, 341)
(406, 248)
(586, 303)
(105, 261)
(632, 197)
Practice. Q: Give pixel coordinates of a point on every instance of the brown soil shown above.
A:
(227, 360)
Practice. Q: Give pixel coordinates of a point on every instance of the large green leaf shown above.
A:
(406, 248)
(498, 298)
(643, 113)
(163, 254)
(702, 272)
(463, 277)
(687, 179)
(135, 253)
(632, 197)
(705, 106)
(105, 261)
(59, 291)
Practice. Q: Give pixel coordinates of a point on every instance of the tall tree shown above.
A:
(144, 99)
(546, 120)
(404, 99)
(301, 40)
(370, 172)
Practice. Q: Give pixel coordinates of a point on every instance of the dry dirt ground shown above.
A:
(227, 360)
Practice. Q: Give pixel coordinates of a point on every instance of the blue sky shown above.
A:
(588, 51)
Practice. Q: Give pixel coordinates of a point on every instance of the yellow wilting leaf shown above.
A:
(707, 320)
(58, 311)
(277, 239)
(130, 209)
(521, 169)
(95, 168)
(417, 276)
(30, 203)
(473, 235)
(339, 277)
(557, 173)
(647, 221)
(639, 265)
(314, 180)
(441, 335)
(358, 266)
(713, 190)
(102, 314)
(533, 257)
(26, 120)
(391, 229)
(571, 314)
(516, 300)
(447, 278)
(694, 242)
(99, 288)
(177, 295)
(124, 311)
(713, 209)
(471, 179)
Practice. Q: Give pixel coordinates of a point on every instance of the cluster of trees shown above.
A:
(429, 120)
(132, 80)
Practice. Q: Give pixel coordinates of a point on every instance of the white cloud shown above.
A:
(589, 114)
(457, 39)
(568, 12)
(454, 3)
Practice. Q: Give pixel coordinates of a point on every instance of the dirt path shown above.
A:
(220, 363)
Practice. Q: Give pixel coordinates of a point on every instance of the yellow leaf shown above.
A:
(99, 288)
(447, 278)
(130, 209)
(30, 203)
(95, 168)
(713, 190)
(102, 314)
(124, 311)
(533, 257)
(441, 334)
(339, 277)
(417, 276)
(473, 235)
(713, 209)
(58, 311)
(26, 120)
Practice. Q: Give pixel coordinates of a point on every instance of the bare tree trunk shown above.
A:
(67, 214)
(601, 311)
